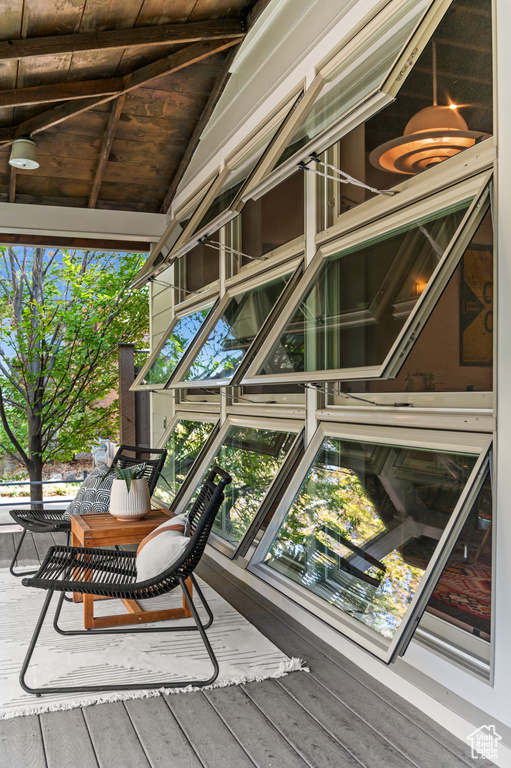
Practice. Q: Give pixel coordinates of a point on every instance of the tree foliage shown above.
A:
(62, 314)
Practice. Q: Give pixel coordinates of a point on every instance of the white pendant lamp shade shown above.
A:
(431, 136)
(24, 155)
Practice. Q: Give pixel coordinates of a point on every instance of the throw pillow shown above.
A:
(94, 493)
(162, 548)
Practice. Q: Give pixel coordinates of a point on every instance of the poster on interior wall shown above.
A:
(476, 306)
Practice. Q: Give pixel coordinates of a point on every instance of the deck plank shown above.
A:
(162, 739)
(262, 742)
(422, 741)
(114, 738)
(21, 743)
(213, 741)
(312, 742)
(65, 736)
(6, 549)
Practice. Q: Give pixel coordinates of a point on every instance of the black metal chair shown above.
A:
(53, 520)
(112, 573)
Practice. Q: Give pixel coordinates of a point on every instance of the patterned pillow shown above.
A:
(91, 498)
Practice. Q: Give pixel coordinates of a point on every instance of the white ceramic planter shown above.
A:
(133, 505)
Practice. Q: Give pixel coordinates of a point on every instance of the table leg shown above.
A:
(135, 615)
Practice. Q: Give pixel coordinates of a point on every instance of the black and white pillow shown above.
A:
(94, 493)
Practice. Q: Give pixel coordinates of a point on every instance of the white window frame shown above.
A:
(476, 188)
(166, 244)
(387, 651)
(138, 384)
(189, 237)
(354, 51)
(281, 425)
(241, 286)
(187, 416)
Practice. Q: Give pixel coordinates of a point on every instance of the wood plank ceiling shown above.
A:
(115, 94)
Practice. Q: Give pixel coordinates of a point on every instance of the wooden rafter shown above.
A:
(12, 184)
(43, 94)
(106, 148)
(215, 94)
(165, 34)
(165, 66)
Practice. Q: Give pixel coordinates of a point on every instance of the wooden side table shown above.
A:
(103, 530)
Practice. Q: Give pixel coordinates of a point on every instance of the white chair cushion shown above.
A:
(162, 548)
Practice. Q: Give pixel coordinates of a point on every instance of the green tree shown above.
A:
(62, 314)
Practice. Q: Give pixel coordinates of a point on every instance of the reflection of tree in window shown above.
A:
(355, 525)
(253, 458)
(174, 348)
(183, 447)
(234, 332)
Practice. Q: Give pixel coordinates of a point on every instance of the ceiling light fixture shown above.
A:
(431, 136)
(24, 155)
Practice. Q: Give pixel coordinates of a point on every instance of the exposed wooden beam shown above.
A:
(165, 34)
(105, 149)
(165, 66)
(88, 243)
(215, 94)
(12, 184)
(43, 94)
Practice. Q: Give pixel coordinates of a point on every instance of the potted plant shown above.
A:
(129, 497)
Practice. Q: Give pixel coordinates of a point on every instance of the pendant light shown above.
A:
(431, 136)
(24, 154)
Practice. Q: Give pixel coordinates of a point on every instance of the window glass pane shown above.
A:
(353, 80)
(236, 178)
(174, 348)
(462, 596)
(253, 458)
(360, 299)
(364, 525)
(234, 332)
(201, 265)
(463, 319)
(274, 219)
(183, 446)
(377, 153)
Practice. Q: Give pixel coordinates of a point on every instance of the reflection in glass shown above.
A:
(234, 332)
(183, 447)
(365, 523)
(462, 595)
(174, 348)
(253, 458)
(344, 89)
(360, 299)
(463, 319)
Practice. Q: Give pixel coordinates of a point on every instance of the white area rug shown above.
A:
(243, 653)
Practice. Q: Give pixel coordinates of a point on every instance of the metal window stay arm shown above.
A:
(227, 248)
(342, 178)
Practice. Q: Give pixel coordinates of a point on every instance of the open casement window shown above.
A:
(173, 345)
(366, 296)
(458, 617)
(364, 531)
(158, 259)
(185, 441)
(227, 341)
(223, 201)
(358, 82)
(253, 452)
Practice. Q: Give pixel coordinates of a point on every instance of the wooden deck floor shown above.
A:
(335, 717)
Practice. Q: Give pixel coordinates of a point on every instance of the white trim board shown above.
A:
(60, 221)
